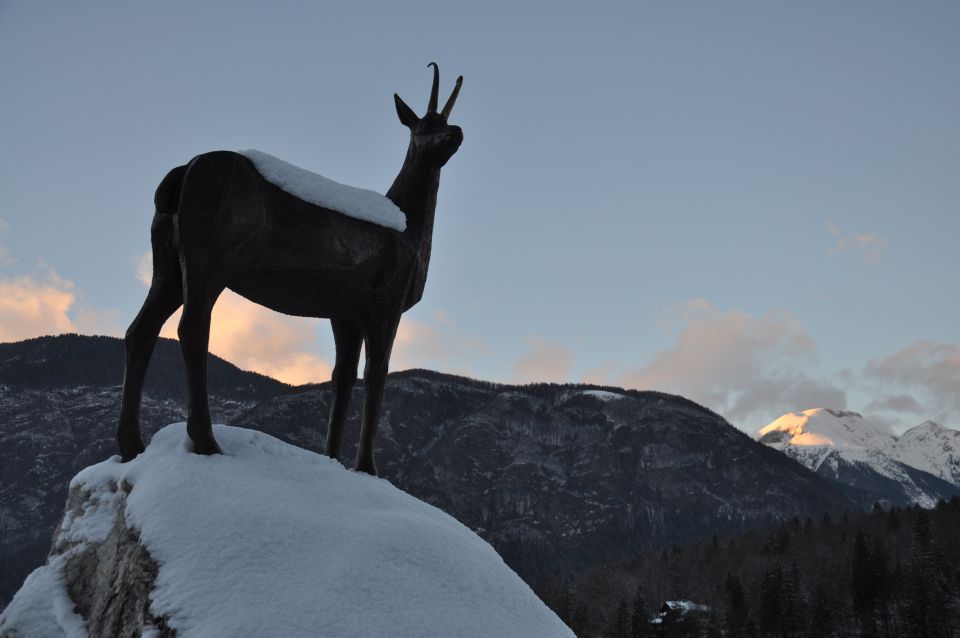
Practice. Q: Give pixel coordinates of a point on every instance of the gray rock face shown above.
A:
(109, 583)
(99, 569)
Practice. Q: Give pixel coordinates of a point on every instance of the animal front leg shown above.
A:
(379, 342)
(348, 338)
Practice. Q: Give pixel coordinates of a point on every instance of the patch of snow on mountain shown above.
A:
(271, 540)
(358, 203)
(603, 395)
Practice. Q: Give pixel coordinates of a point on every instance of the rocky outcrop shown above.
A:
(109, 582)
(265, 539)
(105, 571)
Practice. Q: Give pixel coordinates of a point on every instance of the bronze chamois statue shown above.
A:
(220, 224)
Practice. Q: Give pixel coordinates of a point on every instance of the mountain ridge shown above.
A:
(555, 477)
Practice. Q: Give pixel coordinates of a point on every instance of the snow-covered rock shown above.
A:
(266, 539)
(358, 203)
(858, 454)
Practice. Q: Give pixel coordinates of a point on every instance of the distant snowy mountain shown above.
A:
(265, 540)
(932, 448)
(870, 463)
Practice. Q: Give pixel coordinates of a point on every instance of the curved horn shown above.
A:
(453, 98)
(432, 107)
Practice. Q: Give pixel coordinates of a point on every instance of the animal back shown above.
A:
(359, 203)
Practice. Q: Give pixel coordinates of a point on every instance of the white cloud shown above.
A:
(870, 246)
(143, 266)
(922, 380)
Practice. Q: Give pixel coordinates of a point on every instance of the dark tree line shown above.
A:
(889, 573)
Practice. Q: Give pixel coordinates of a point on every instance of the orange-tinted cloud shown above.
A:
(746, 368)
(46, 303)
(255, 338)
(31, 307)
(435, 343)
(544, 361)
(286, 348)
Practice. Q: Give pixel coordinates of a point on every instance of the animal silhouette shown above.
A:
(220, 224)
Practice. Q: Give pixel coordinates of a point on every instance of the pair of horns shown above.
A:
(432, 107)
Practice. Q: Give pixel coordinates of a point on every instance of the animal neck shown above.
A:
(414, 191)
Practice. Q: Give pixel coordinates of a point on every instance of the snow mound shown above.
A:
(271, 540)
(358, 203)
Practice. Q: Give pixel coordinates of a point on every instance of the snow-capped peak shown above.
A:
(932, 448)
(838, 429)
(868, 459)
(926, 426)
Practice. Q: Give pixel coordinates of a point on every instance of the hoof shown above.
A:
(130, 447)
(367, 467)
(206, 446)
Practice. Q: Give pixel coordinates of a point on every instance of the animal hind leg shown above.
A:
(200, 294)
(164, 298)
(348, 338)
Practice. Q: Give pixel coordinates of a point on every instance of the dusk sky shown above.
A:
(753, 204)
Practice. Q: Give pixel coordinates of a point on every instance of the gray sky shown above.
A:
(753, 204)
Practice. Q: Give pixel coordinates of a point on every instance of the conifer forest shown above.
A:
(888, 573)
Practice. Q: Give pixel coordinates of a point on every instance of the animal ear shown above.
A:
(407, 117)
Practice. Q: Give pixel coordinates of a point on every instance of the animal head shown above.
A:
(432, 139)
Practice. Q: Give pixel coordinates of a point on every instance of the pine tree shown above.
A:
(620, 627)
(640, 616)
(823, 621)
(578, 623)
(793, 605)
(735, 607)
(861, 584)
(563, 602)
(771, 600)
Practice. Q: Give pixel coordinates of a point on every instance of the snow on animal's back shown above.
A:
(358, 203)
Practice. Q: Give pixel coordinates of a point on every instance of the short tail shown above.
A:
(167, 197)
(162, 239)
